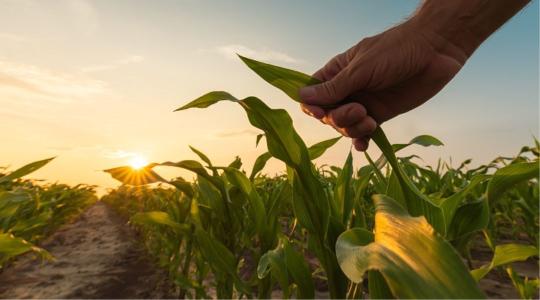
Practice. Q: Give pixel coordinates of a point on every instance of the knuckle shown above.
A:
(329, 90)
(357, 111)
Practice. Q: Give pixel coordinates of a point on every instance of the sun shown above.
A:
(138, 162)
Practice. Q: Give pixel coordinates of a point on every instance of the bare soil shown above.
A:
(96, 256)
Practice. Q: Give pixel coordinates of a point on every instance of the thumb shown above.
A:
(328, 92)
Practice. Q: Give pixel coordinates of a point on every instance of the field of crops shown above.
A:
(30, 211)
(392, 228)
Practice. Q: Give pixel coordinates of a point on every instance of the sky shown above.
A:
(94, 83)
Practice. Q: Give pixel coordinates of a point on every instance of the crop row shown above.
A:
(30, 211)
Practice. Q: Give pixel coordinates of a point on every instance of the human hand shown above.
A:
(382, 76)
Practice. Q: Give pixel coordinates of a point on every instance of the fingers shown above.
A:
(350, 120)
(328, 92)
(332, 68)
(313, 111)
(353, 78)
(359, 130)
(361, 144)
(346, 115)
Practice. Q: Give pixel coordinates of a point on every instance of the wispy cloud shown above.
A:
(265, 54)
(131, 59)
(47, 84)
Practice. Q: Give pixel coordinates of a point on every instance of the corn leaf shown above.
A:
(130, 176)
(506, 177)
(298, 271)
(257, 210)
(316, 150)
(25, 170)
(195, 167)
(11, 246)
(505, 254)
(343, 191)
(399, 254)
(285, 144)
(207, 100)
(273, 262)
(289, 81)
(217, 255)
(469, 218)
(159, 218)
(422, 140)
(259, 164)
(201, 156)
(527, 288)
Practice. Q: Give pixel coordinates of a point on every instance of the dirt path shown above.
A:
(97, 256)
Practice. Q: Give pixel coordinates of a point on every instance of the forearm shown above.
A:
(464, 23)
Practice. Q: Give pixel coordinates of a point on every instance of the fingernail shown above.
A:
(307, 93)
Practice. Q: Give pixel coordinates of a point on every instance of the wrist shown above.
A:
(447, 28)
(460, 26)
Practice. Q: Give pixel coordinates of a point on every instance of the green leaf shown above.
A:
(202, 156)
(299, 271)
(509, 176)
(130, 176)
(259, 164)
(195, 167)
(236, 163)
(216, 253)
(159, 218)
(422, 140)
(285, 144)
(207, 100)
(378, 289)
(505, 254)
(25, 170)
(273, 262)
(469, 218)
(289, 81)
(316, 150)
(11, 246)
(258, 139)
(399, 254)
(343, 191)
(183, 186)
(257, 210)
(527, 288)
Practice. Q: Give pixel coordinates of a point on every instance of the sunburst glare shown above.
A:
(138, 162)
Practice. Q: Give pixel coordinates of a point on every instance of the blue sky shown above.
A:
(95, 82)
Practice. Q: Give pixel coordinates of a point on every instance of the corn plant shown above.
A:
(30, 212)
(408, 239)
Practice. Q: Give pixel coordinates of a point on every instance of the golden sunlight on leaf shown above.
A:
(135, 176)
